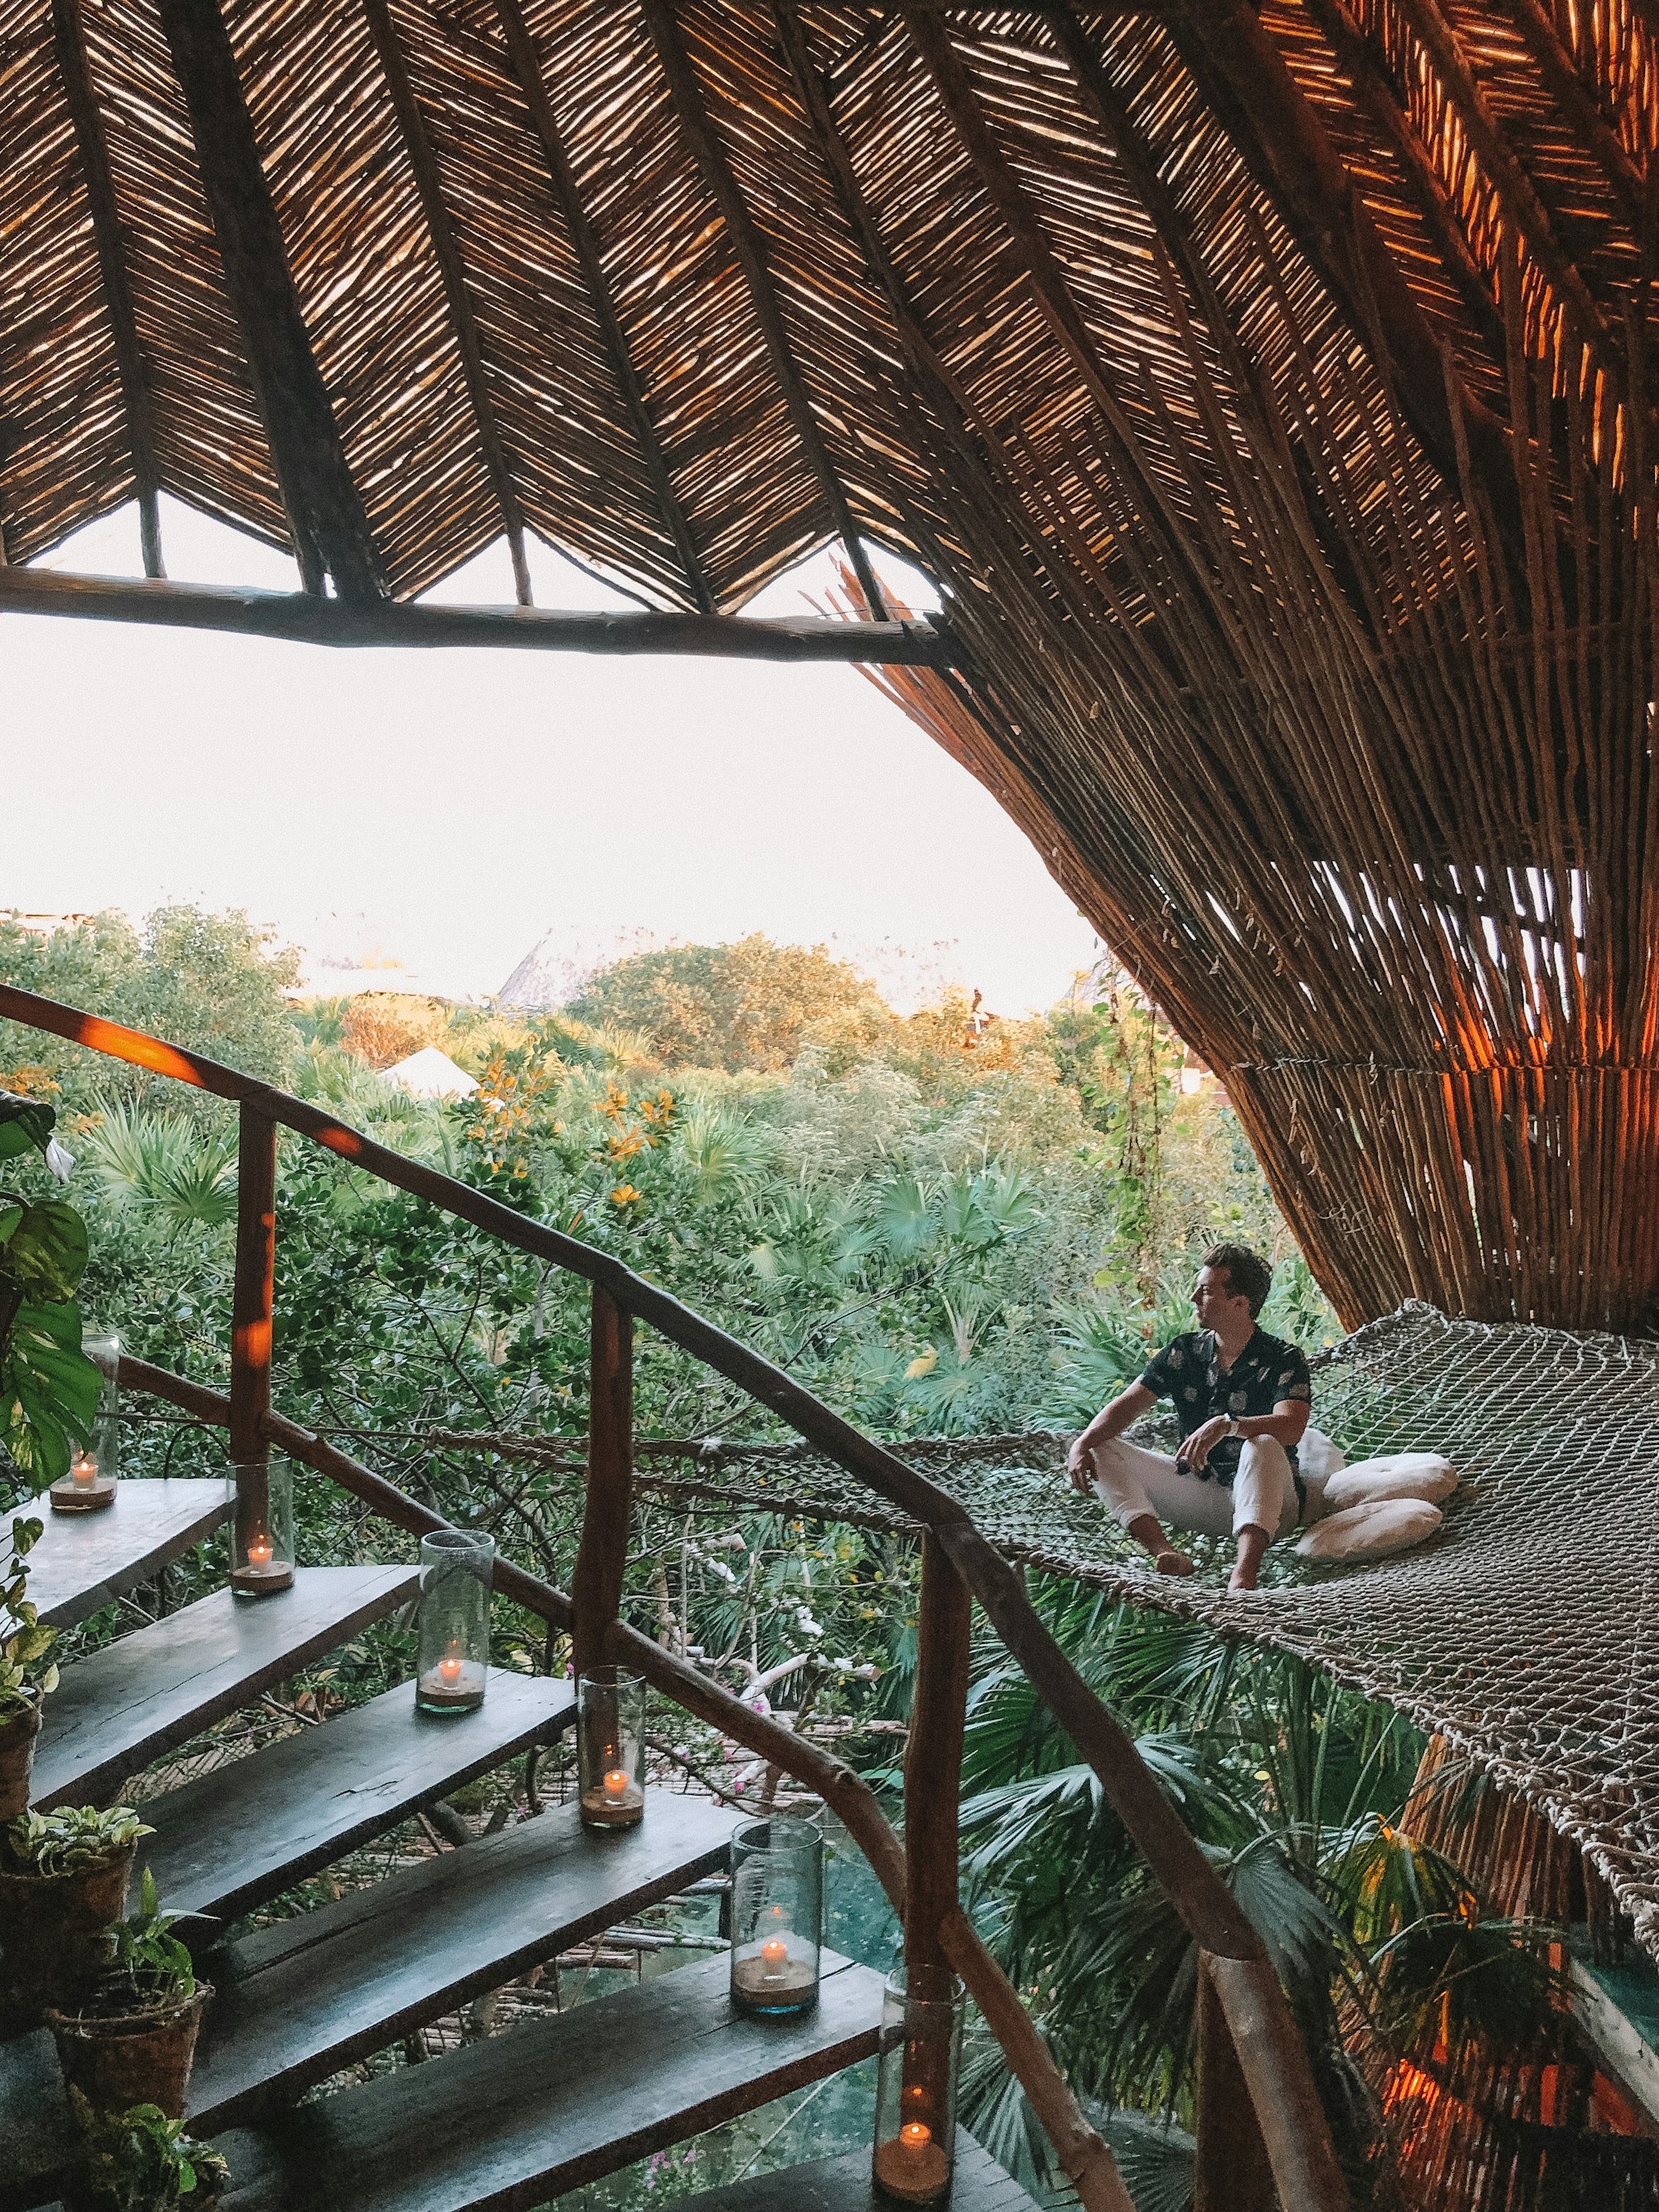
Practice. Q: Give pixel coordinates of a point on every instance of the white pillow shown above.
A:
(1372, 1532)
(1395, 1474)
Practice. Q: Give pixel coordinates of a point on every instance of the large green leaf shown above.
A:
(25, 1124)
(48, 1389)
(44, 1251)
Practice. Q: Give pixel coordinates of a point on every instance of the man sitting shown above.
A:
(1241, 1398)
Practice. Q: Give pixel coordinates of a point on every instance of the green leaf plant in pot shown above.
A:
(64, 1880)
(48, 1400)
(131, 2035)
(140, 2160)
(27, 1671)
(48, 1387)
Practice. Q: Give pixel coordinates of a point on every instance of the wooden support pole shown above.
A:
(253, 1298)
(1233, 2172)
(326, 512)
(307, 620)
(596, 1586)
(528, 70)
(73, 67)
(463, 322)
(933, 1786)
(747, 244)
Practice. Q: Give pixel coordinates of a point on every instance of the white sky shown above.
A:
(448, 809)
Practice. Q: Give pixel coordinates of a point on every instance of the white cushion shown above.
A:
(1394, 1475)
(1372, 1532)
(1317, 1457)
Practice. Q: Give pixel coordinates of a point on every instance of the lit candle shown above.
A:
(85, 1470)
(916, 2135)
(616, 1785)
(449, 1667)
(774, 1951)
(912, 2166)
(259, 1552)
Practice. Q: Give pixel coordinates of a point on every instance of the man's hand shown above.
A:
(1197, 1448)
(1080, 1465)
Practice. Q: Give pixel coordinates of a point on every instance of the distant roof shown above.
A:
(430, 1074)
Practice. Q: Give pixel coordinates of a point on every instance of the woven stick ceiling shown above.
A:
(1266, 391)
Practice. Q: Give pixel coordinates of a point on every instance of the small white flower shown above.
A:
(60, 1162)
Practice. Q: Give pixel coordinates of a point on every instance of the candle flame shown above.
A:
(916, 2135)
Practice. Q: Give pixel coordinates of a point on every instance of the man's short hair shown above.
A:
(1248, 1275)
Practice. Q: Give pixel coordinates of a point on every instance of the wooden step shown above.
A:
(122, 1706)
(230, 1839)
(298, 2000)
(523, 2117)
(842, 2185)
(84, 1561)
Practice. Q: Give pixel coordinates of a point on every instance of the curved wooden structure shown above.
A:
(1267, 390)
(959, 1565)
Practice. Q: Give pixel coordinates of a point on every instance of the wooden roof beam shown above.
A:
(1572, 95)
(1282, 141)
(418, 144)
(527, 72)
(1510, 181)
(1373, 84)
(73, 66)
(687, 95)
(306, 618)
(326, 512)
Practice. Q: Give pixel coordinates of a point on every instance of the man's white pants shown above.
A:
(1133, 1481)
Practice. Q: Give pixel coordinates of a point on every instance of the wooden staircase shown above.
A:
(514, 2120)
(560, 2101)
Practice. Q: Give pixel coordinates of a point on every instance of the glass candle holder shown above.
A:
(89, 1485)
(777, 1915)
(611, 1747)
(916, 2067)
(452, 1664)
(261, 1545)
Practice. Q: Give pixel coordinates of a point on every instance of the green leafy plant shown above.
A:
(139, 2160)
(154, 1962)
(71, 1839)
(48, 1387)
(28, 1670)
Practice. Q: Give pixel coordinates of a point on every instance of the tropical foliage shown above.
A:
(48, 1388)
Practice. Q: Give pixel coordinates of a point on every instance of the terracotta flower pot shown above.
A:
(117, 2059)
(17, 1734)
(54, 1933)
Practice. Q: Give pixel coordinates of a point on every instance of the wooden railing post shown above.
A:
(597, 1585)
(1233, 2171)
(932, 1792)
(251, 1299)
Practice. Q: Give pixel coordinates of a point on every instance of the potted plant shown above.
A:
(132, 2037)
(63, 1879)
(139, 2160)
(28, 1673)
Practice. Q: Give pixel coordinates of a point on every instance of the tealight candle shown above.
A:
(616, 1785)
(449, 1668)
(85, 1488)
(774, 1951)
(259, 1553)
(262, 1553)
(912, 2166)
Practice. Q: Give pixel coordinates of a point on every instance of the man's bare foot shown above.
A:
(1169, 1561)
(1243, 1576)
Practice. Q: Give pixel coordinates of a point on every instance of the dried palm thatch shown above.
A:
(1267, 391)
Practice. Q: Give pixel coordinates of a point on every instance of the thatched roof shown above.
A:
(1267, 391)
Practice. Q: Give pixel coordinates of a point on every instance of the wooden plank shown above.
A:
(122, 1707)
(84, 1561)
(325, 510)
(596, 1585)
(243, 1833)
(299, 2000)
(842, 2185)
(300, 617)
(523, 2117)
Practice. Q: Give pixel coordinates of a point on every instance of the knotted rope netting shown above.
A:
(1524, 1632)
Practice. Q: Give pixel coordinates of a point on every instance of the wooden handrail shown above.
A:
(1276, 2065)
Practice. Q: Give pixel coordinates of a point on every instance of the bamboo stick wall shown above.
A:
(1267, 391)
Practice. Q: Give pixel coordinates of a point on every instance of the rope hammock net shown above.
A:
(1526, 1634)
